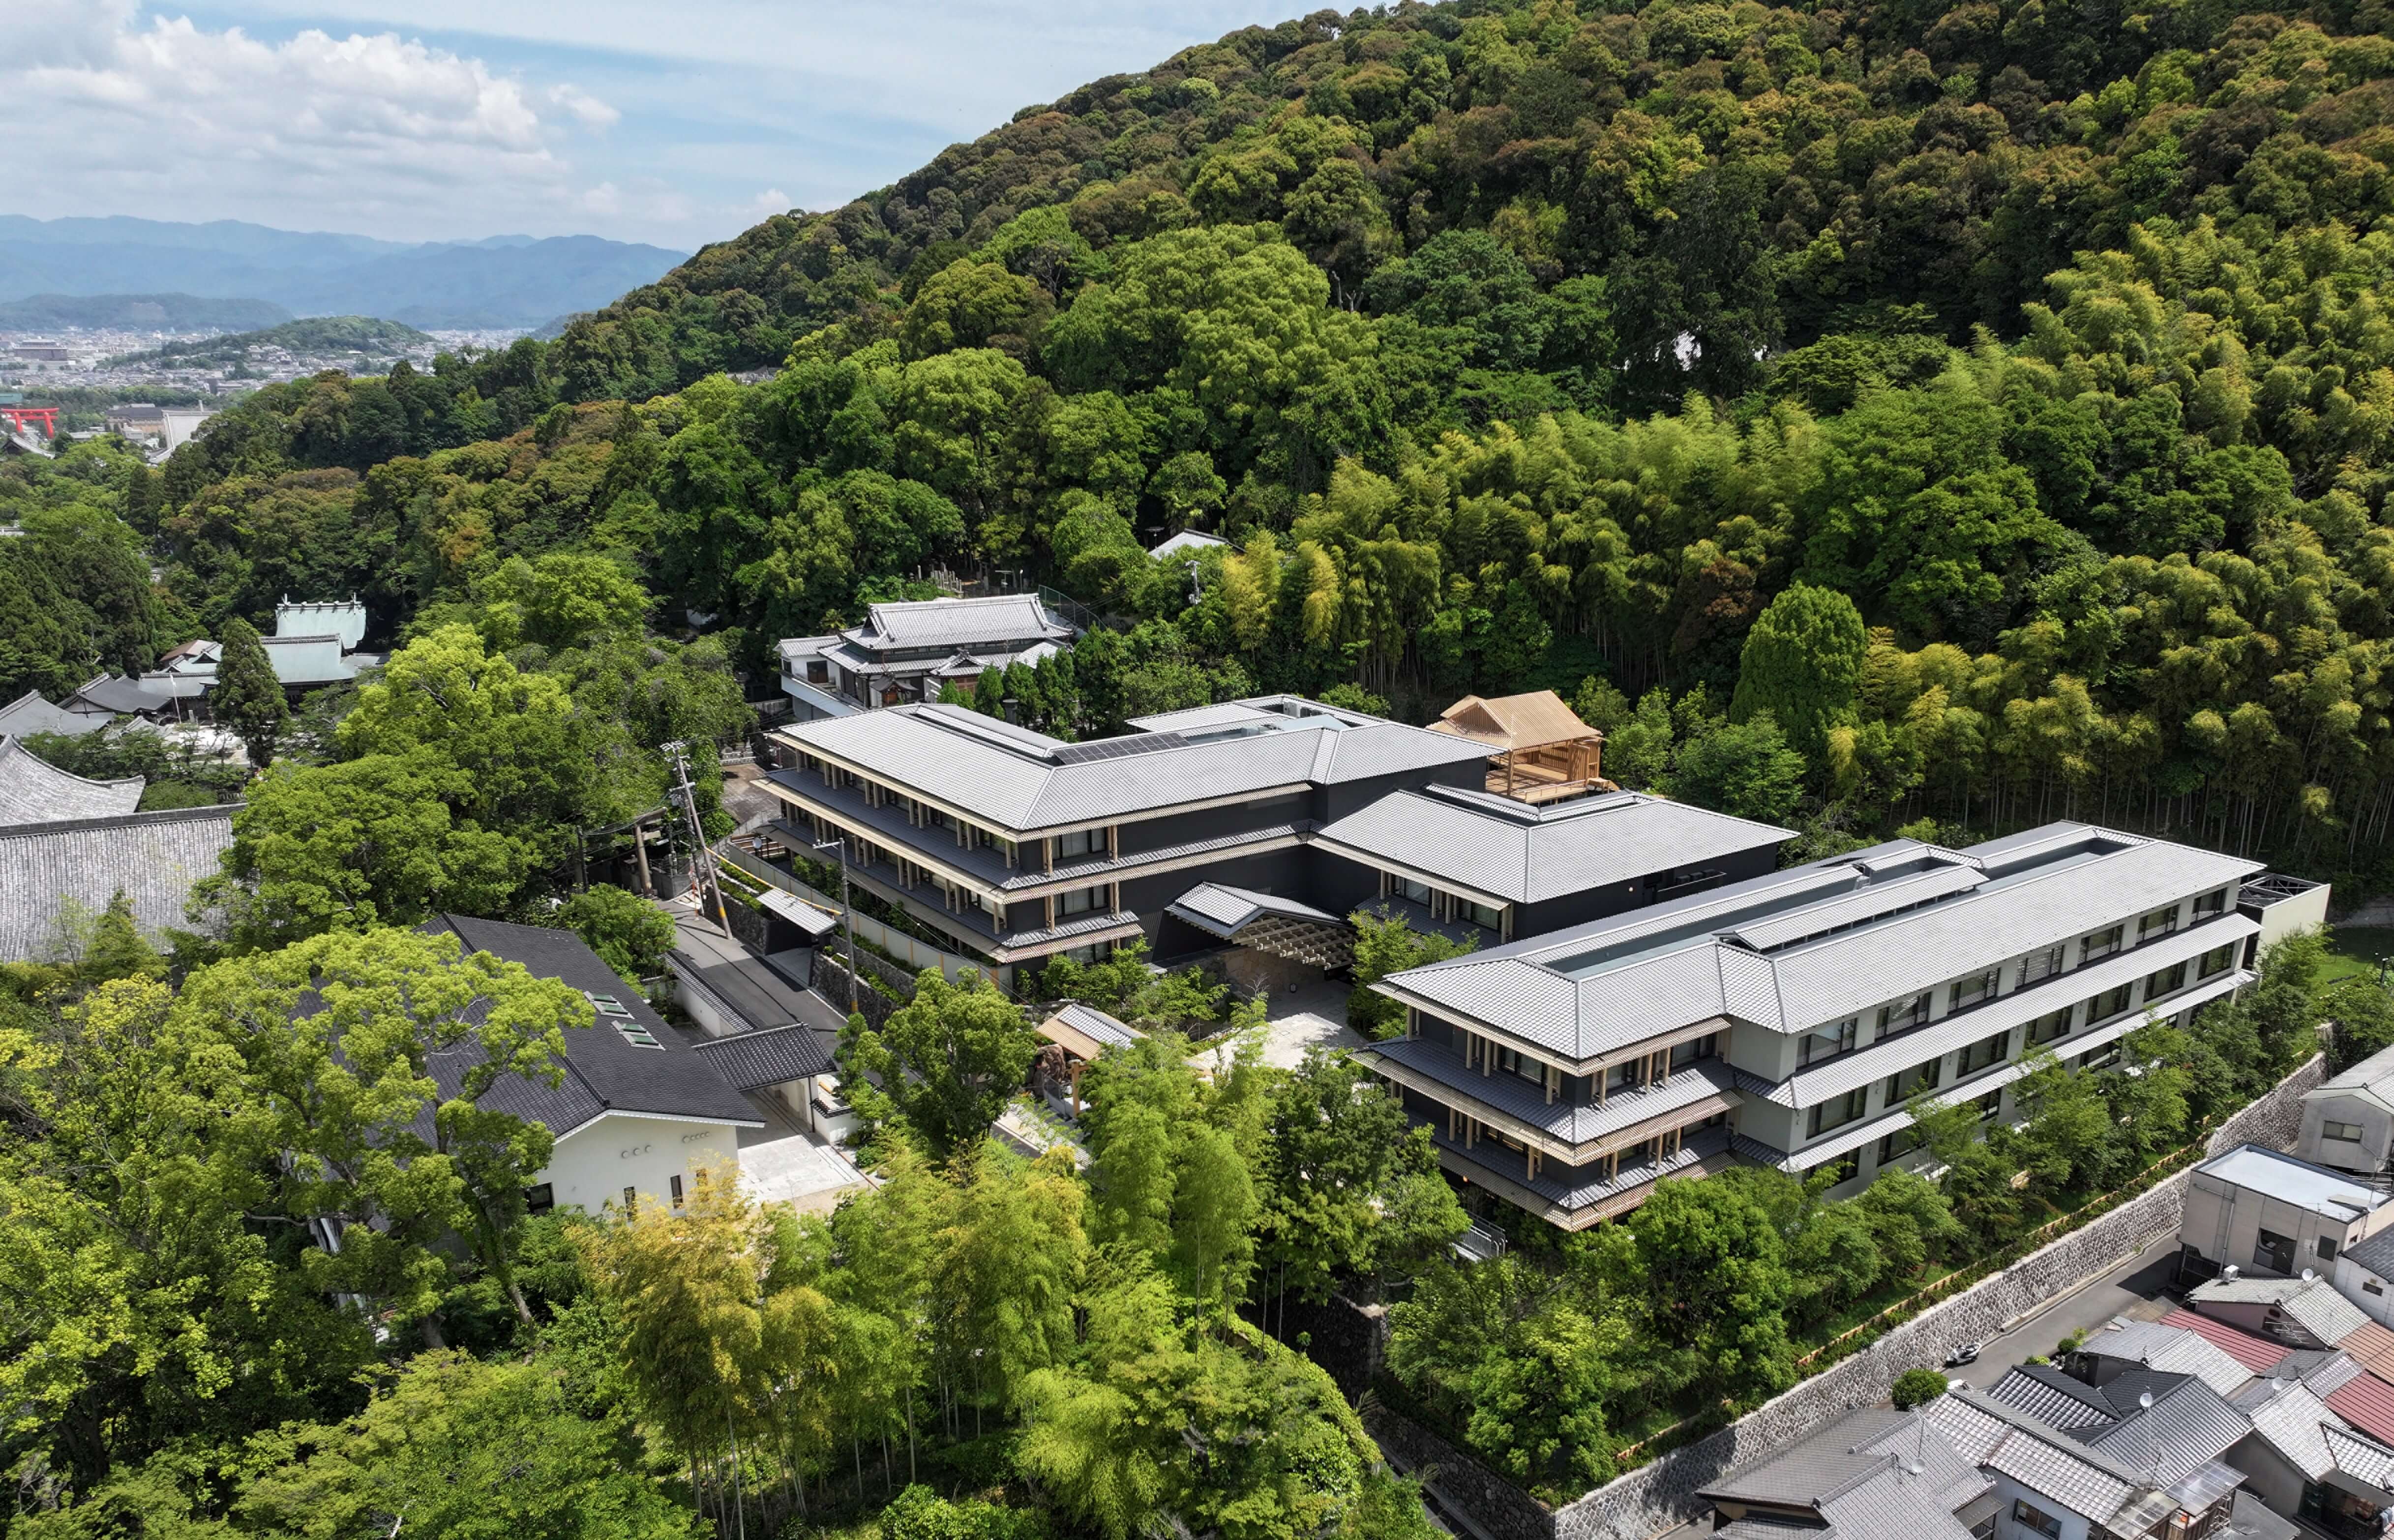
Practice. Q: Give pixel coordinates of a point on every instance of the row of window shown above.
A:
(1447, 906)
(1994, 1048)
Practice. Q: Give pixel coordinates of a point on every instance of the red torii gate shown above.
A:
(20, 417)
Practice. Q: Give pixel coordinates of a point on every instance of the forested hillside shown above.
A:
(1517, 345)
(1940, 416)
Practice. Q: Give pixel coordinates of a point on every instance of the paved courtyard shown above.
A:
(1312, 1015)
(795, 1170)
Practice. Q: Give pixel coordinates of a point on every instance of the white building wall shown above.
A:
(2009, 1494)
(2365, 1156)
(593, 1164)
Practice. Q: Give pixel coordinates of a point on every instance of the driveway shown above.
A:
(1312, 1015)
(2133, 1289)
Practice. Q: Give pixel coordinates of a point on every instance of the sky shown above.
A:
(674, 121)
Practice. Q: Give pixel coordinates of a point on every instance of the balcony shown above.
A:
(1562, 1130)
(974, 930)
(1576, 1198)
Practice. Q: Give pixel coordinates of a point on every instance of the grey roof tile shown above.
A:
(1675, 965)
(1518, 854)
(604, 1070)
(153, 859)
(2168, 1348)
(753, 1060)
(33, 791)
(1224, 911)
(960, 622)
(30, 713)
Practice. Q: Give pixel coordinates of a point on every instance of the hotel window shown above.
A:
(1479, 914)
(1990, 1104)
(2215, 961)
(1418, 892)
(1986, 1051)
(1906, 1084)
(1970, 991)
(1838, 1111)
(2161, 922)
(2167, 980)
(1628, 1075)
(2112, 1001)
(2102, 944)
(1898, 1144)
(1829, 1041)
(2048, 1028)
(2095, 1059)
(1080, 901)
(1512, 1061)
(2343, 1133)
(1904, 1016)
(2040, 965)
(1685, 1054)
(1081, 842)
(2212, 904)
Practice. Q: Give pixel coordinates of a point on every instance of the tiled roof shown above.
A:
(2293, 1422)
(2373, 1078)
(2255, 1353)
(30, 713)
(752, 1060)
(1019, 781)
(2310, 1303)
(604, 1070)
(153, 859)
(1098, 1027)
(960, 622)
(1518, 854)
(34, 791)
(1580, 990)
(2375, 1253)
(2041, 1457)
(1871, 1475)
(2370, 1460)
(1224, 911)
(2171, 1348)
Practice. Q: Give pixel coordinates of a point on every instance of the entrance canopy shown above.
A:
(1282, 926)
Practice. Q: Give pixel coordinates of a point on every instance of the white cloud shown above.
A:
(771, 201)
(370, 131)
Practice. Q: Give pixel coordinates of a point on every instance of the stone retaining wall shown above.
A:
(1661, 1495)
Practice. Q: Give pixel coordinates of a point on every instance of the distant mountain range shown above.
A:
(173, 312)
(504, 281)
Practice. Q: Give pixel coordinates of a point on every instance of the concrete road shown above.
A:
(2135, 1289)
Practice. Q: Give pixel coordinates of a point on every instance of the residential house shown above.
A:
(2300, 1312)
(1792, 1017)
(1259, 824)
(2348, 1121)
(637, 1112)
(2270, 1215)
(904, 652)
(1871, 1475)
(2050, 1485)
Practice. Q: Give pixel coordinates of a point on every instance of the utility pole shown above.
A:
(847, 914)
(706, 877)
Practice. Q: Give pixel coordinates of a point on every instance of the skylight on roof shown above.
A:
(612, 1010)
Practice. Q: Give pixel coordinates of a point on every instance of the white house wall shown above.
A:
(593, 1164)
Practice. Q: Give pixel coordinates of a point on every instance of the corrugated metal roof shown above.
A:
(1017, 780)
(1225, 910)
(2255, 1353)
(1518, 854)
(34, 791)
(2310, 1303)
(1669, 965)
(153, 859)
(2371, 1346)
(2367, 1402)
(2172, 1348)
